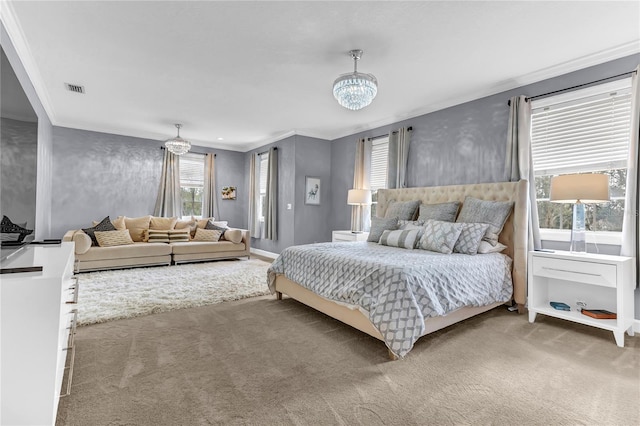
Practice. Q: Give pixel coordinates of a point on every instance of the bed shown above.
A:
(409, 307)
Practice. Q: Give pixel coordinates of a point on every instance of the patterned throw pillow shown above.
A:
(118, 222)
(157, 236)
(402, 210)
(113, 238)
(379, 225)
(10, 231)
(470, 237)
(207, 235)
(212, 225)
(409, 224)
(440, 236)
(104, 225)
(179, 235)
(445, 212)
(494, 213)
(400, 238)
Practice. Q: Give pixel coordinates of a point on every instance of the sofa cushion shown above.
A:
(136, 249)
(164, 223)
(179, 235)
(206, 247)
(157, 236)
(137, 226)
(113, 238)
(118, 223)
(82, 242)
(233, 235)
(202, 223)
(104, 225)
(207, 235)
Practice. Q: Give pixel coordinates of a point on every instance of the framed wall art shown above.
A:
(312, 190)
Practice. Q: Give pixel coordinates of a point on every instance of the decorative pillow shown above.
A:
(118, 223)
(445, 212)
(494, 213)
(162, 222)
(440, 236)
(402, 210)
(10, 231)
(400, 238)
(408, 224)
(203, 222)
(378, 225)
(470, 238)
(207, 235)
(137, 226)
(82, 242)
(212, 225)
(191, 225)
(157, 235)
(113, 238)
(486, 247)
(233, 235)
(179, 235)
(103, 226)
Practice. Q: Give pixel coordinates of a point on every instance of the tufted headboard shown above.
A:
(514, 233)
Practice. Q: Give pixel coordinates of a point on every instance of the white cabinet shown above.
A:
(349, 236)
(596, 280)
(38, 312)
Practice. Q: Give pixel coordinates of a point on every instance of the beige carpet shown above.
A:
(265, 362)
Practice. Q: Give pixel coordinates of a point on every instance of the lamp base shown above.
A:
(578, 233)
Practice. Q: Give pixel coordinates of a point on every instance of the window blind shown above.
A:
(379, 163)
(192, 170)
(585, 130)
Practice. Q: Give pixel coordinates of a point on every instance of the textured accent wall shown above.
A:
(18, 168)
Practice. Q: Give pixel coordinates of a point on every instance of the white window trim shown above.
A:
(593, 237)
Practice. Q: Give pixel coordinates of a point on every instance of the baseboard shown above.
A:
(264, 253)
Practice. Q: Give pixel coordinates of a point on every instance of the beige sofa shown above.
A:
(92, 258)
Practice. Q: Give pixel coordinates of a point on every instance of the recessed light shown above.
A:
(220, 139)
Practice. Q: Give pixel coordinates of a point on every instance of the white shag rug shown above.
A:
(110, 295)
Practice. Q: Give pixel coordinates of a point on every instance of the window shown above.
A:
(264, 167)
(191, 184)
(379, 166)
(581, 132)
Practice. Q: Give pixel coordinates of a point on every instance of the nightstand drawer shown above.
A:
(572, 270)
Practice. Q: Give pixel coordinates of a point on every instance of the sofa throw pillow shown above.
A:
(233, 235)
(164, 223)
(179, 235)
(440, 236)
(400, 238)
(212, 225)
(113, 238)
(494, 213)
(403, 210)
(379, 225)
(486, 247)
(82, 242)
(203, 222)
(207, 235)
(118, 223)
(191, 225)
(10, 231)
(103, 226)
(157, 235)
(137, 226)
(445, 212)
(470, 237)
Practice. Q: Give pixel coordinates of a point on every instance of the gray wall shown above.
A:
(18, 166)
(100, 174)
(45, 140)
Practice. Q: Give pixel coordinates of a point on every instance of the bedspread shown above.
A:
(396, 288)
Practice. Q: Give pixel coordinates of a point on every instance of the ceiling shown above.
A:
(241, 74)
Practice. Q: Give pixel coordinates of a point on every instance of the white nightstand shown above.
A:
(348, 236)
(601, 281)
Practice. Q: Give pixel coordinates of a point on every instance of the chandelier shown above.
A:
(177, 145)
(355, 90)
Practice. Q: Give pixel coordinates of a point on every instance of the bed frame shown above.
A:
(513, 235)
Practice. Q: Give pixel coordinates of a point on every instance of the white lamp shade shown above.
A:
(586, 188)
(359, 197)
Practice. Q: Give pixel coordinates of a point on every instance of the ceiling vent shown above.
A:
(74, 88)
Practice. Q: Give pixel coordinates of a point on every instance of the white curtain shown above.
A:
(271, 199)
(361, 173)
(519, 163)
(254, 191)
(169, 202)
(209, 201)
(399, 142)
(631, 220)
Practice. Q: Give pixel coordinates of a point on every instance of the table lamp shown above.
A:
(579, 188)
(358, 197)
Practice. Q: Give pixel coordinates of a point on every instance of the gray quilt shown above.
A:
(396, 288)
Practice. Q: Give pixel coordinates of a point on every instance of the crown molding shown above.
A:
(18, 39)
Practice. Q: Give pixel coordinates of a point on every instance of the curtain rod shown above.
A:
(275, 148)
(197, 153)
(574, 87)
(410, 128)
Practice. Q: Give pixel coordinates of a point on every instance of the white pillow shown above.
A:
(486, 247)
